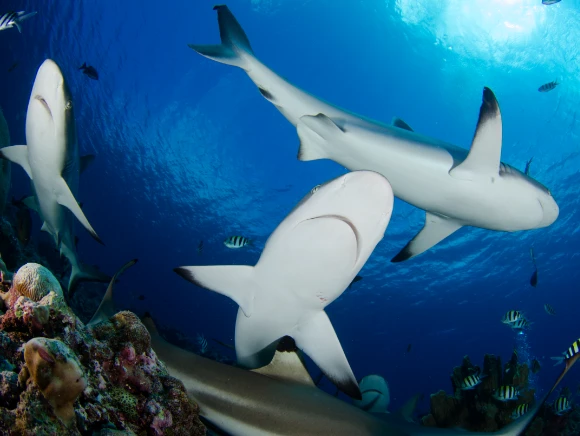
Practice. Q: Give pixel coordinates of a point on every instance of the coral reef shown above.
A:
(58, 376)
(34, 281)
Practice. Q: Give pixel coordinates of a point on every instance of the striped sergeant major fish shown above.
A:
(471, 381)
(236, 242)
(562, 405)
(549, 309)
(521, 410)
(520, 325)
(571, 353)
(512, 316)
(506, 393)
(548, 86)
(13, 19)
(202, 343)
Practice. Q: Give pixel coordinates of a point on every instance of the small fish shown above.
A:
(520, 325)
(471, 381)
(549, 309)
(236, 242)
(90, 71)
(535, 367)
(521, 410)
(200, 247)
(562, 405)
(534, 278)
(548, 86)
(506, 393)
(569, 353)
(356, 279)
(528, 163)
(550, 2)
(512, 316)
(409, 348)
(202, 343)
(13, 67)
(13, 19)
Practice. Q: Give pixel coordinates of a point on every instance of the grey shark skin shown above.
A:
(246, 403)
(455, 187)
(307, 263)
(51, 160)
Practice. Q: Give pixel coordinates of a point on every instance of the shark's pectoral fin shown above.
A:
(436, 229)
(65, 197)
(407, 410)
(316, 336)
(86, 161)
(234, 281)
(315, 133)
(19, 155)
(287, 364)
(31, 203)
(484, 156)
(397, 122)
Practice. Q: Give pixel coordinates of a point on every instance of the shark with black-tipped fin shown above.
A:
(456, 187)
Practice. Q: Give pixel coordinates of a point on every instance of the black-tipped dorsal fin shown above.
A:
(397, 122)
(287, 365)
(107, 307)
(484, 156)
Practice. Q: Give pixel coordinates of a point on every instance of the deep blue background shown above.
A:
(188, 150)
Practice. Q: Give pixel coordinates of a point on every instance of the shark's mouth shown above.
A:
(352, 227)
(45, 104)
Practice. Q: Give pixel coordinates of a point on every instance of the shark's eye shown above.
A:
(68, 105)
(316, 188)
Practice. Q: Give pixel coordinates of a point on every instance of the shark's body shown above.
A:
(308, 262)
(51, 160)
(455, 187)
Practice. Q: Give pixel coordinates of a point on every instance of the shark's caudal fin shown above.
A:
(19, 155)
(235, 48)
(436, 229)
(84, 273)
(484, 156)
(316, 134)
(65, 198)
(234, 281)
(107, 307)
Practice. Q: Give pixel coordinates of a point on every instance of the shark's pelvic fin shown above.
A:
(436, 229)
(107, 307)
(397, 122)
(19, 155)
(234, 281)
(317, 338)
(86, 161)
(315, 132)
(484, 156)
(65, 197)
(286, 364)
(235, 46)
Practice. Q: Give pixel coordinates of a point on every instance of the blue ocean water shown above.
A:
(188, 150)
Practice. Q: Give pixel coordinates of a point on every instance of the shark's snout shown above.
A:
(550, 211)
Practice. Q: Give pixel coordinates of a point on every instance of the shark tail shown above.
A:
(85, 273)
(235, 47)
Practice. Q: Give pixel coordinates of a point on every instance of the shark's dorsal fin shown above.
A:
(397, 122)
(484, 156)
(436, 229)
(234, 281)
(287, 365)
(107, 307)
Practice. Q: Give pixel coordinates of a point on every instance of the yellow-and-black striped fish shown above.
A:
(548, 86)
(549, 309)
(512, 316)
(569, 353)
(236, 242)
(471, 381)
(520, 325)
(562, 405)
(521, 410)
(506, 393)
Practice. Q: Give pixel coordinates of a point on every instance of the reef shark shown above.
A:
(307, 263)
(51, 160)
(454, 186)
